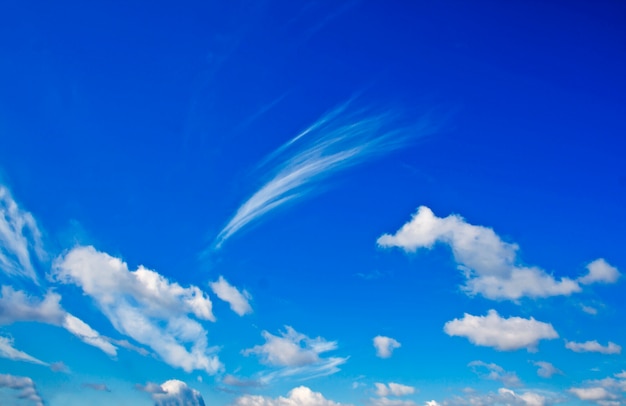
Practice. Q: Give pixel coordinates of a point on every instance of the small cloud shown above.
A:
(599, 271)
(97, 386)
(593, 346)
(385, 346)
(393, 389)
(546, 369)
(24, 385)
(240, 382)
(503, 334)
(589, 310)
(172, 393)
(495, 373)
(238, 301)
(300, 396)
(59, 367)
(8, 351)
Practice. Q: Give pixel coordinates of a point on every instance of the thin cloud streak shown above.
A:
(338, 140)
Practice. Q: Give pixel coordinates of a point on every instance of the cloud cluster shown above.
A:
(238, 301)
(503, 396)
(503, 334)
(300, 396)
(385, 346)
(593, 346)
(145, 306)
(604, 392)
(20, 239)
(24, 385)
(172, 393)
(495, 373)
(489, 264)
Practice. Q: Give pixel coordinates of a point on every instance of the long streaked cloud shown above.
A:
(238, 301)
(145, 306)
(8, 351)
(20, 239)
(593, 346)
(490, 265)
(338, 140)
(25, 386)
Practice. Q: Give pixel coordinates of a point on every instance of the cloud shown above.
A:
(8, 351)
(172, 393)
(604, 392)
(489, 264)
(495, 373)
(384, 401)
(546, 369)
(385, 346)
(25, 385)
(241, 383)
(97, 386)
(20, 239)
(145, 306)
(589, 310)
(393, 389)
(300, 396)
(59, 367)
(297, 353)
(336, 141)
(592, 393)
(503, 334)
(18, 306)
(238, 301)
(600, 272)
(503, 396)
(593, 346)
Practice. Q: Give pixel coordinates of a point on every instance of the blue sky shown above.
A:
(281, 203)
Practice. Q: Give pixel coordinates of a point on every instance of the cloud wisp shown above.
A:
(238, 301)
(24, 385)
(338, 140)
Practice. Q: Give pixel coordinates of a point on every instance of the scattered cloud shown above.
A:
(172, 393)
(384, 401)
(604, 392)
(8, 351)
(589, 310)
(240, 382)
(503, 396)
(20, 239)
(59, 367)
(490, 265)
(24, 385)
(596, 393)
(503, 334)
(300, 396)
(593, 346)
(546, 369)
(495, 373)
(145, 306)
(336, 141)
(97, 386)
(600, 272)
(238, 301)
(385, 346)
(393, 389)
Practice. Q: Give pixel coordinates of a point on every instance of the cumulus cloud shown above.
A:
(600, 272)
(172, 393)
(393, 389)
(546, 369)
(495, 373)
(24, 385)
(605, 392)
(503, 396)
(297, 353)
(238, 301)
(384, 401)
(20, 239)
(300, 396)
(18, 306)
(145, 306)
(490, 265)
(336, 141)
(385, 346)
(593, 346)
(8, 351)
(503, 334)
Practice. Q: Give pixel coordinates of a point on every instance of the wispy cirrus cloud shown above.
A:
(340, 139)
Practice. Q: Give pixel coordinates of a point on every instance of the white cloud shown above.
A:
(101, 387)
(489, 264)
(300, 396)
(385, 346)
(145, 306)
(593, 346)
(8, 351)
(503, 396)
(495, 373)
(297, 353)
(336, 141)
(432, 403)
(393, 389)
(384, 401)
(604, 392)
(596, 393)
(24, 385)
(600, 272)
(546, 369)
(18, 306)
(239, 382)
(504, 334)
(20, 238)
(238, 301)
(589, 310)
(172, 393)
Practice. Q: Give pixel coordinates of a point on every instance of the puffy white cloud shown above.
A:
(393, 389)
(489, 264)
(546, 369)
(600, 272)
(385, 346)
(24, 385)
(297, 353)
(300, 396)
(172, 393)
(145, 306)
(504, 334)
(18, 306)
(604, 392)
(432, 403)
(597, 393)
(495, 372)
(384, 401)
(20, 238)
(593, 346)
(502, 397)
(8, 351)
(238, 301)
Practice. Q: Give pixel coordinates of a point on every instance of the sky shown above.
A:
(312, 203)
